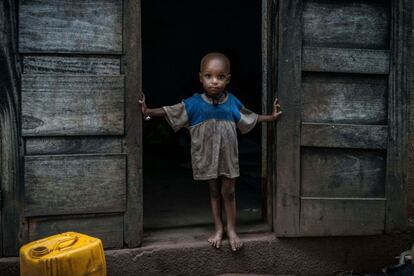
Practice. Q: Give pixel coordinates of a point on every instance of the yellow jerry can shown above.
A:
(66, 254)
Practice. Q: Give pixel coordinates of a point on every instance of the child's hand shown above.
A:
(143, 104)
(276, 109)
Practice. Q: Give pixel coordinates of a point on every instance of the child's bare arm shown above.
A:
(150, 112)
(275, 113)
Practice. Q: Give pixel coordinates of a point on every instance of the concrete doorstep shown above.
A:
(187, 252)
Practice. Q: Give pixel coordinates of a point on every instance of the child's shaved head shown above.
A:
(212, 56)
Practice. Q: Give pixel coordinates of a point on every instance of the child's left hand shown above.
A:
(276, 109)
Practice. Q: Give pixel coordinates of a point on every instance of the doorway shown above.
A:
(175, 36)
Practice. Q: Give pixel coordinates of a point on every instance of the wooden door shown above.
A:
(80, 123)
(343, 82)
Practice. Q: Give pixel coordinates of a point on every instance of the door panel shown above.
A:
(344, 98)
(108, 228)
(80, 120)
(74, 184)
(342, 216)
(331, 172)
(346, 24)
(72, 105)
(334, 139)
(70, 26)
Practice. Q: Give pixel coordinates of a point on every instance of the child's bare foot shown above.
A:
(216, 238)
(234, 240)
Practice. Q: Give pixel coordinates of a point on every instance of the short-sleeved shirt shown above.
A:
(214, 149)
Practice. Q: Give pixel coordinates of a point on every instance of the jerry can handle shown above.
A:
(40, 251)
(72, 240)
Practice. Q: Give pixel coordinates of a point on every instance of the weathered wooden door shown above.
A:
(81, 75)
(343, 82)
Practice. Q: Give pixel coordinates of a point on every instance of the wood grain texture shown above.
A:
(269, 67)
(346, 24)
(343, 98)
(342, 173)
(73, 145)
(344, 60)
(398, 104)
(342, 217)
(71, 65)
(13, 227)
(70, 26)
(344, 136)
(108, 228)
(74, 184)
(72, 105)
(288, 139)
(133, 220)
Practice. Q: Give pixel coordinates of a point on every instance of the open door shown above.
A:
(80, 123)
(343, 82)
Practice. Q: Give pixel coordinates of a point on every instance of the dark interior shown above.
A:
(176, 35)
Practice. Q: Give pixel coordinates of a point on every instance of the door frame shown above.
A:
(13, 226)
(270, 15)
(131, 66)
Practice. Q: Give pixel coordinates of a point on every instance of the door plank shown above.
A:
(346, 24)
(342, 172)
(71, 65)
(344, 136)
(398, 104)
(108, 227)
(72, 105)
(288, 140)
(74, 184)
(73, 145)
(342, 217)
(344, 98)
(70, 26)
(344, 60)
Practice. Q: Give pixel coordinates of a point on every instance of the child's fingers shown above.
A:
(276, 101)
(142, 97)
(142, 100)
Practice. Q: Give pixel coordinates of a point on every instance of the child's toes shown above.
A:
(233, 246)
(218, 244)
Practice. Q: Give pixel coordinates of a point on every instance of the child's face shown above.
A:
(214, 76)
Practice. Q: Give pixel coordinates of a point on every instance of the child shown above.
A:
(212, 118)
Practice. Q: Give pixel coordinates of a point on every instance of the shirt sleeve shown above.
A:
(176, 116)
(248, 120)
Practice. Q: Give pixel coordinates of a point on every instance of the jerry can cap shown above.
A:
(39, 251)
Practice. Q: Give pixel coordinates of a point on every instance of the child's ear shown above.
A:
(228, 78)
(199, 77)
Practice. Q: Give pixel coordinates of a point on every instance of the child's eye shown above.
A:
(222, 77)
(207, 76)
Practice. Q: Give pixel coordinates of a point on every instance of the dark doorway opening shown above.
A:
(176, 35)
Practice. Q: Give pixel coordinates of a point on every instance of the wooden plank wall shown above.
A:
(342, 147)
(346, 62)
(73, 117)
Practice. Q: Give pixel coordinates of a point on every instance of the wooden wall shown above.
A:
(341, 154)
(74, 113)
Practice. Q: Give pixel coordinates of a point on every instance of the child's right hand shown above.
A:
(143, 104)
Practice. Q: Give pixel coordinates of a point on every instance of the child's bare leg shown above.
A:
(228, 194)
(215, 199)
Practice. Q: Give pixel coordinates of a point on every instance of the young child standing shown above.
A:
(212, 118)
